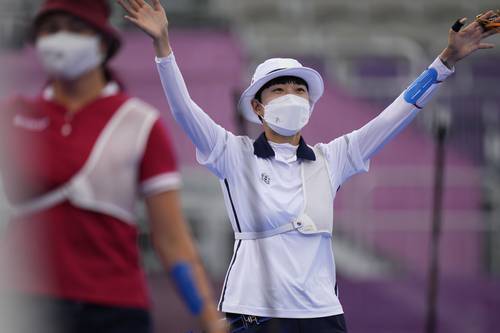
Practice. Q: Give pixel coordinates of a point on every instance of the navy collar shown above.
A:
(263, 149)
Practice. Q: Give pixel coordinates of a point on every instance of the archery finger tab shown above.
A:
(458, 25)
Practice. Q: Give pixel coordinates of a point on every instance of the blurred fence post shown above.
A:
(491, 186)
(442, 124)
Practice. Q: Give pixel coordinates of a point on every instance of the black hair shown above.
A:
(280, 80)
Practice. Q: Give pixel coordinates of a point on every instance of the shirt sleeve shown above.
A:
(158, 169)
(344, 158)
(210, 139)
(351, 153)
(383, 128)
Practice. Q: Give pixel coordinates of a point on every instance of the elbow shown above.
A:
(180, 110)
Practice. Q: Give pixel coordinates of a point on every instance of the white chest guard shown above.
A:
(107, 183)
(317, 214)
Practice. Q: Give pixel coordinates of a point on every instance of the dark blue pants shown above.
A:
(332, 324)
(33, 314)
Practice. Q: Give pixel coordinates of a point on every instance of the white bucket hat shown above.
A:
(273, 68)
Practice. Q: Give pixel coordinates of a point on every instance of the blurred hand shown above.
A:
(467, 40)
(151, 19)
(212, 322)
(219, 326)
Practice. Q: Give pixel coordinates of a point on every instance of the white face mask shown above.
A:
(66, 55)
(287, 115)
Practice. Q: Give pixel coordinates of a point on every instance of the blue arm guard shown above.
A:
(182, 277)
(418, 89)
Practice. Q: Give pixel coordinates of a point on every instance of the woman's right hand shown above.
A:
(151, 19)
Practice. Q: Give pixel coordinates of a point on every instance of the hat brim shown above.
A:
(312, 77)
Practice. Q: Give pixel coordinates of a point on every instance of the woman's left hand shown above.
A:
(467, 40)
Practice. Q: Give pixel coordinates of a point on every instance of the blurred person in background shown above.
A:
(75, 160)
(278, 190)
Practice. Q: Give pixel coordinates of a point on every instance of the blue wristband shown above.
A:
(182, 277)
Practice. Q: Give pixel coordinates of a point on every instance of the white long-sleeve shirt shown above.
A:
(289, 275)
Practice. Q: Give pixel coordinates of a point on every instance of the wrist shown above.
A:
(161, 44)
(448, 58)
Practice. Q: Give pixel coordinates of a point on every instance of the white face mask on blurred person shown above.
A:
(67, 55)
(287, 115)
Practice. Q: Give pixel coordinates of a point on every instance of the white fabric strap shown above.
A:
(265, 234)
(47, 200)
(107, 182)
(317, 204)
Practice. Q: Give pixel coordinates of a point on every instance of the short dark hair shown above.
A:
(280, 80)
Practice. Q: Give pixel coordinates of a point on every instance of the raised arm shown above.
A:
(169, 231)
(461, 43)
(200, 128)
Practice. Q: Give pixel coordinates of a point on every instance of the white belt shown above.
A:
(303, 224)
